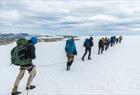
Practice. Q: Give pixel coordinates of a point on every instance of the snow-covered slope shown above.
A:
(117, 71)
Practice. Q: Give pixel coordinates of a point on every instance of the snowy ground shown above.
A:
(117, 71)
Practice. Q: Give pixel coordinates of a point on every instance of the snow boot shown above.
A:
(89, 58)
(82, 59)
(16, 93)
(68, 68)
(31, 87)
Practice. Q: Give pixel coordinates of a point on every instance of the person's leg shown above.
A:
(102, 49)
(32, 72)
(99, 50)
(105, 47)
(84, 53)
(111, 44)
(89, 53)
(19, 77)
(72, 59)
(120, 41)
(68, 61)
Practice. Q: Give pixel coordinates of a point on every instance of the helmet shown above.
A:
(34, 40)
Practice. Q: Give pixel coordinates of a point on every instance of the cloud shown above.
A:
(9, 15)
(72, 15)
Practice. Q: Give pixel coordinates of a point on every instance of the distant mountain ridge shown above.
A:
(11, 37)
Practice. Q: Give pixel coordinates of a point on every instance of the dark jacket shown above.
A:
(101, 43)
(91, 43)
(112, 39)
(30, 53)
(31, 50)
(106, 42)
(88, 43)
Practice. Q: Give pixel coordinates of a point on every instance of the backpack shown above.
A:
(19, 53)
(86, 43)
(69, 47)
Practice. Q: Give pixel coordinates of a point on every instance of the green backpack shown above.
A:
(19, 53)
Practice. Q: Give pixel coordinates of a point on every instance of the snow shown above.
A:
(115, 72)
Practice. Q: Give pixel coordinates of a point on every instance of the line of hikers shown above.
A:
(104, 43)
(24, 52)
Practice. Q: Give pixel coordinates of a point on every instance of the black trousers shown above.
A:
(87, 50)
(101, 49)
(120, 41)
(69, 63)
(106, 47)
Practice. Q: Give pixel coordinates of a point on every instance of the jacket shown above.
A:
(70, 47)
(101, 43)
(30, 53)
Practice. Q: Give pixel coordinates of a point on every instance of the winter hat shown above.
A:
(34, 40)
(91, 38)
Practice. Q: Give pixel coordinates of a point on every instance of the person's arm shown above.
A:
(99, 43)
(92, 44)
(31, 52)
(75, 50)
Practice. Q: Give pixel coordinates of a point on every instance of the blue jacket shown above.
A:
(70, 47)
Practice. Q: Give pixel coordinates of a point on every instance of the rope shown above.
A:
(48, 65)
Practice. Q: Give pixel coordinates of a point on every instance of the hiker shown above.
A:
(101, 45)
(113, 40)
(88, 44)
(109, 42)
(27, 53)
(106, 43)
(120, 39)
(117, 39)
(70, 50)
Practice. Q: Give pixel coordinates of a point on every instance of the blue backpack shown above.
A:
(70, 47)
(86, 43)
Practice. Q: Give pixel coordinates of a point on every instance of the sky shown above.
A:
(77, 17)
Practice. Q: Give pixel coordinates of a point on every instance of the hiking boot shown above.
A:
(31, 87)
(68, 68)
(83, 59)
(16, 93)
(89, 58)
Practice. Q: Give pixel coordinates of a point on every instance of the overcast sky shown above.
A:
(70, 16)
